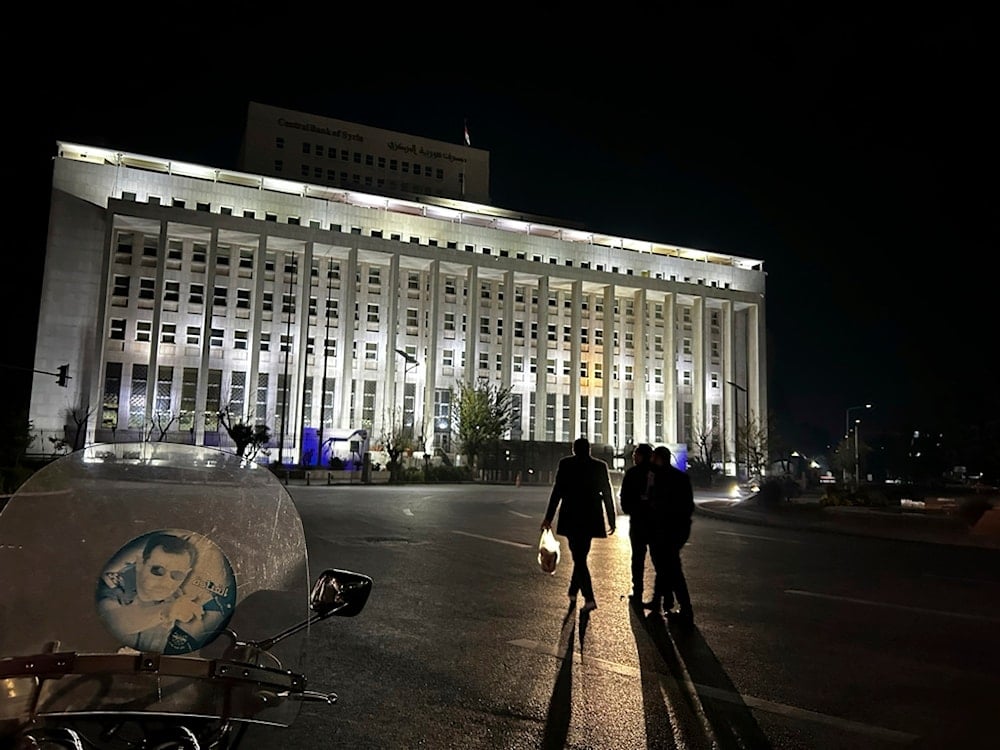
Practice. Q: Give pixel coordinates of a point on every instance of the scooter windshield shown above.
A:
(140, 579)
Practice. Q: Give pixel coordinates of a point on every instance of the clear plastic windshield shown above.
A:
(132, 577)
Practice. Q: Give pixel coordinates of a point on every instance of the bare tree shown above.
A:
(752, 437)
(78, 416)
(248, 437)
(707, 445)
(395, 440)
(160, 423)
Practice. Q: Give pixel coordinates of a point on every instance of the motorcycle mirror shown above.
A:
(339, 592)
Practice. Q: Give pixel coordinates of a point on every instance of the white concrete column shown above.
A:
(670, 405)
(432, 361)
(541, 357)
(348, 329)
(728, 374)
(508, 323)
(576, 317)
(390, 359)
(640, 384)
(609, 430)
(471, 326)
(699, 362)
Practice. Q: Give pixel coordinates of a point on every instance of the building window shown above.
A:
(147, 288)
(373, 313)
(120, 290)
(262, 381)
(168, 333)
(137, 397)
(371, 350)
(112, 395)
(117, 329)
(164, 385)
(143, 330)
(196, 294)
(240, 340)
(216, 338)
(193, 336)
(172, 291)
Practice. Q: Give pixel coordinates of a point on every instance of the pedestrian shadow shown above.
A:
(561, 702)
(727, 722)
(659, 695)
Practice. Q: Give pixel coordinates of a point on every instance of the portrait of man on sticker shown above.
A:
(170, 591)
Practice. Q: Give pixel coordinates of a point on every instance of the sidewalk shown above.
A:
(806, 513)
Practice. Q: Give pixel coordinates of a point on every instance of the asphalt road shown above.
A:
(803, 639)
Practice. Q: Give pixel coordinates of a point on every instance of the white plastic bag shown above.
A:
(548, 552)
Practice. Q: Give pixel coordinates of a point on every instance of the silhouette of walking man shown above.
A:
(582, 490)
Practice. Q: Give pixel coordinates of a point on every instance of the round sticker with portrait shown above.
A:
(170, 591)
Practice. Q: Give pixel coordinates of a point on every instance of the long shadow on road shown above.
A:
(561, 702)
(689, 699)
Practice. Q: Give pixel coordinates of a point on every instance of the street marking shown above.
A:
(758, 536)
(522, 515)
(706, 691)
(493, 539)
(901, 607)
(407, 512)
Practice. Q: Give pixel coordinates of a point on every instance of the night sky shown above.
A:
(856, 156)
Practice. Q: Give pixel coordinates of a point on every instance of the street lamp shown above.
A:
(736, 428)
(409, 363)
(847, 434)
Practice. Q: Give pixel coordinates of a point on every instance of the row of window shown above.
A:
(331, 152)
(241, 400)
(149, 249)
(487, 326)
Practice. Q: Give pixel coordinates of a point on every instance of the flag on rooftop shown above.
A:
(468, 141)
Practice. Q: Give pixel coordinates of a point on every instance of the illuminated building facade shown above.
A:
(176, 290)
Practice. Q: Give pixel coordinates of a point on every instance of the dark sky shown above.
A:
(856, 156)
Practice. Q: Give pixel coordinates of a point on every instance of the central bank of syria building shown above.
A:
(349, 278)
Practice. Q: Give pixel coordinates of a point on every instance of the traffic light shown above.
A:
(63, 375)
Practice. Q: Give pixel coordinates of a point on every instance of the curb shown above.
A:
(927, 534)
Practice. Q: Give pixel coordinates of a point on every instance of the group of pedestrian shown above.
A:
(659, 500)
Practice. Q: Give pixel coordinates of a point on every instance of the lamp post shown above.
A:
(736, 427)
(847, 434)
(409, 363)
(857, 438)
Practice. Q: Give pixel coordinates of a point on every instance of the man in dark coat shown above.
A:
(582, 493)
(673, 505)
(636, 504)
